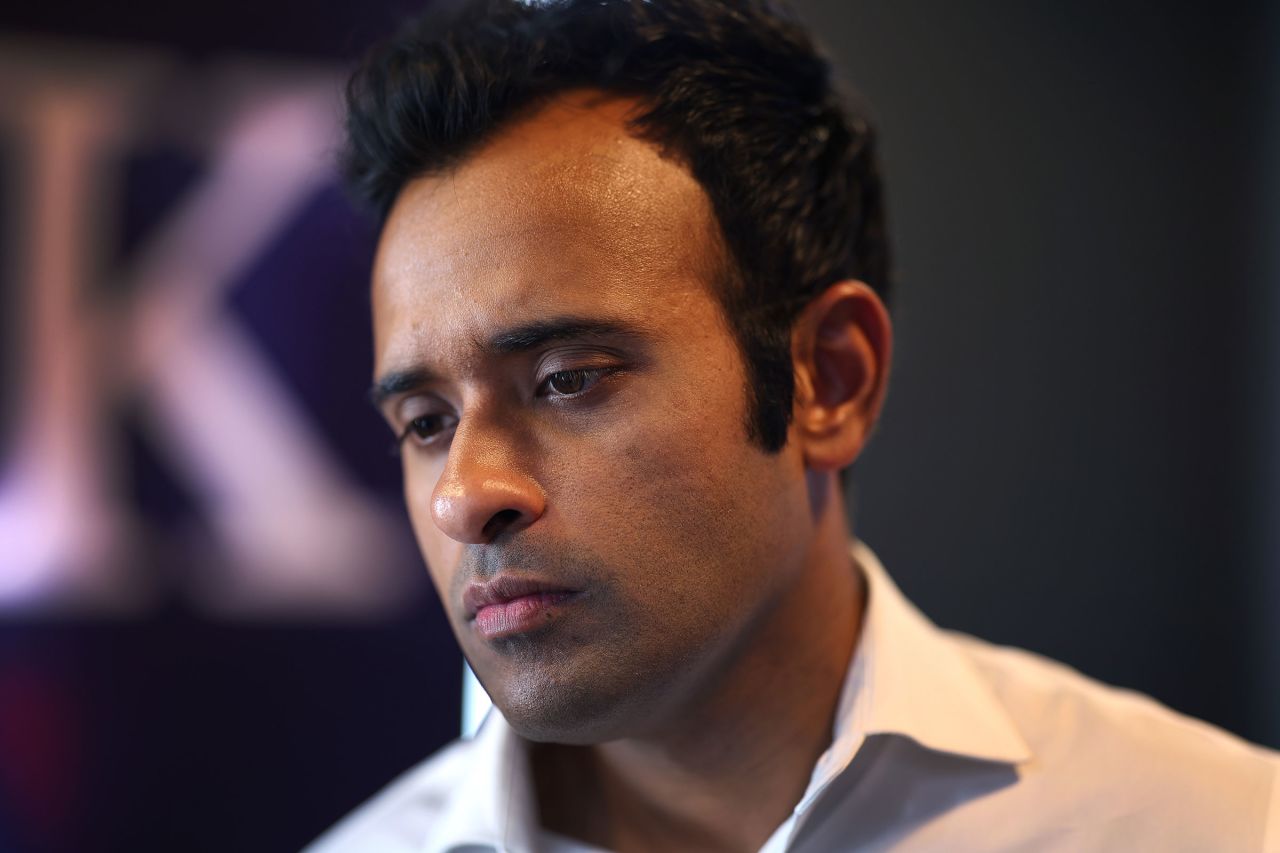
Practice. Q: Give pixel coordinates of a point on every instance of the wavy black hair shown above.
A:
(734, 88)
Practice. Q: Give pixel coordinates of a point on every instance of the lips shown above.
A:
(507, 605)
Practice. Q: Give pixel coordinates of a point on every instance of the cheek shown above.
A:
(721, 509)
(672, 486)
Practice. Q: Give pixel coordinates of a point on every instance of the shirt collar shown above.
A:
(918, 683)
(907, 678)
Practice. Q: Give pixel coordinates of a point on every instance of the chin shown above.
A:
(546, 710)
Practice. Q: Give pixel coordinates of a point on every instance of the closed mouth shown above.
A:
(508, 605)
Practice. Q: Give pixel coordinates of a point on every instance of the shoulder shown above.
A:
(1114, 754)
(397, 818)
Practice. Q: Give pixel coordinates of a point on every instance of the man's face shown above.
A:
(605, 538)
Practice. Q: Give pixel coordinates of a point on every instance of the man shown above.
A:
(629, 328)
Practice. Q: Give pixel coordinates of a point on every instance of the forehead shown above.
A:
(563, 212)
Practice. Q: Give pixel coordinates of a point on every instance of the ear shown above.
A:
(840, 348)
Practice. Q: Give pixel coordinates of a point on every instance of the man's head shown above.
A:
(600, 275)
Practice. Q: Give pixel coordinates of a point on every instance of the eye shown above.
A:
(567, 381)
(427, 429)
(570, 383)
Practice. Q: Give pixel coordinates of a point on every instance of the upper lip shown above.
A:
(505, 588)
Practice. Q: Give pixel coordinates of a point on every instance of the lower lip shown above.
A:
(519, 615)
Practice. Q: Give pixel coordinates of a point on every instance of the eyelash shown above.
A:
(411, 429)
(590, 377)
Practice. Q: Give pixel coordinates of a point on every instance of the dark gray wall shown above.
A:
(1072, 459)
(1268, 322)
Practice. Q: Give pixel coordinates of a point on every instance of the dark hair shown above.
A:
(734, 88)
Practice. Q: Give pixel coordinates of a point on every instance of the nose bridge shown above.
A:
(484, 489)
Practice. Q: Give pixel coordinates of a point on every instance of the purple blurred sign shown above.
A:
(180, 325)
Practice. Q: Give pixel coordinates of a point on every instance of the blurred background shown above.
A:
(215, 632)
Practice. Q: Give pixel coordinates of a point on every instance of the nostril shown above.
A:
(500, 521)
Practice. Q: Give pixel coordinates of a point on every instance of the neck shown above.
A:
(729, 770)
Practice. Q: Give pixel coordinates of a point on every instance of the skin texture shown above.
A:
(681, 695)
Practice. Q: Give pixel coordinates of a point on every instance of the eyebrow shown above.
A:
(533, 335)
(507, 342)
(398, 382)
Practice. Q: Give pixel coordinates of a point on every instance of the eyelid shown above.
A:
(417, 405)
(577, 357)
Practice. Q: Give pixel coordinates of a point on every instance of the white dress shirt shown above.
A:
(941, 743)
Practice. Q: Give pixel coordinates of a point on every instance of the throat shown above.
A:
(584, 795)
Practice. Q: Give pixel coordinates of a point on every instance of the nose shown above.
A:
(483, 492)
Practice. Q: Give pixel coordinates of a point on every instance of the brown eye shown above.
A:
(427, 426)
(567, 382)
(426, 429)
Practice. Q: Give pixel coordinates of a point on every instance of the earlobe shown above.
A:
(840, 348)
